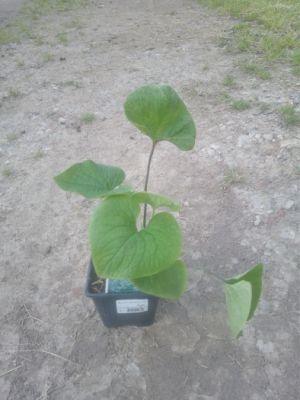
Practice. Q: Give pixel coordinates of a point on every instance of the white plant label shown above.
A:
(130, 306)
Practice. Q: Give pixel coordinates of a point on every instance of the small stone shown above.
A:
(243, 141)
(290, 143)
(268, 136)
(289, 204)
(257, 220)
(62, 121)
(288, 233)
(267, 347)
(48, 250)
(196, 255)
(186, 203)
(244, 242)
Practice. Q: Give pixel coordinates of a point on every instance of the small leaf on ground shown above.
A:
(242, 296)
(159, 112)
(89, 179)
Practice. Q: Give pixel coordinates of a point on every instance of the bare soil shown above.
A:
(239, 188)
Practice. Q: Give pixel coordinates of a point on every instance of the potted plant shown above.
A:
(135, 259)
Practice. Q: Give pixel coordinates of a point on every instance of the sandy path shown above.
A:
(239, 187)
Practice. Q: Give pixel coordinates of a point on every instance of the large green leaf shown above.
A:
(168, 284)
(156, 200)
(90, 179)
(159, 112)
(119, 190)
(120, 251)
(242, 294)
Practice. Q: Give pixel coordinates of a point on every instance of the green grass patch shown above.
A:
(23, 26)
(270, 27)
(62, 38)
(12, 137)
(38, 155)
(36, 8)
(233, 177)
(228, 81)
(7, 35)
(88, 118)
(235, 104)
(73, 84)
(20, 63)
(290, 116)
(256, 70)
(296, 58)
(244, 37)
(47, 57)
(240, 105)
(14, 93)
(7, 172)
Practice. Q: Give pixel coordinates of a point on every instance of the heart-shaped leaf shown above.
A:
(156, 200)
(120, 251)
(158, 111)
(89, 179)
(242, 294)
(168, 284)
(119, 190)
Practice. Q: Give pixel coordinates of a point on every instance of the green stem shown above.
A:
(147, 180)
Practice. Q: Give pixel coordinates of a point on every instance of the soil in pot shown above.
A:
(118, 302)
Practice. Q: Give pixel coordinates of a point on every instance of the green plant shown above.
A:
(47, 57)
(240, 105)
(257, 70)
(88, 118)
(125, 242)
(7, 172)
(289, 115)
(39, 40)
(267, 27)
(224, 97)
(14, 93)
(8, 36)
(233, 177)
(228, 81)
(62, 38)
(38, 155)
(36, 8)
(296, 57)
(74, 84)
(20, 63)
(12, 137)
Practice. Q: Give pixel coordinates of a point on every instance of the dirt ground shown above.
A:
(239, 188)
(9, 8)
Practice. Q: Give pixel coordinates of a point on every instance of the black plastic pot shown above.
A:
(119, 309)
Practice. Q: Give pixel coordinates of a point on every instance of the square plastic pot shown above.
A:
(120, 309)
